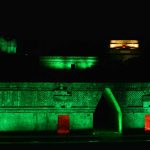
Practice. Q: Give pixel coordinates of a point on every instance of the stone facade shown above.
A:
(36, 106)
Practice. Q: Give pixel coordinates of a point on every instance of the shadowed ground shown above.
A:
(101, 139)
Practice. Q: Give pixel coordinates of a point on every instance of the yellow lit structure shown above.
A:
(118, 44)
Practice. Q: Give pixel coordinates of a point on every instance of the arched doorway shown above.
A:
(108, 115)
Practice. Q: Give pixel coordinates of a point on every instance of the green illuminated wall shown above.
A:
(134, 119)
(39, 121)
(62, 62)
(133, 105)
(28, 121)
(8, 46)
(36, 106)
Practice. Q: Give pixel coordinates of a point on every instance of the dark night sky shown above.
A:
(75, 20)
(74, 25)
(78, 29)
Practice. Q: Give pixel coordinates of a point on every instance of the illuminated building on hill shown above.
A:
(61, 104)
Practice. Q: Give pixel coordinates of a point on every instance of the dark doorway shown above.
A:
(105, 118)
(147, 123)
(63, 124)
(73, 66)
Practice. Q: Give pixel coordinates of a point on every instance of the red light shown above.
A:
(147, 122)
(123, 46)
(63, 124)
